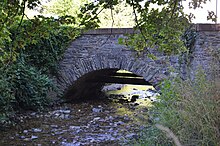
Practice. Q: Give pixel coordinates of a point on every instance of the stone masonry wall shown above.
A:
(206, 51)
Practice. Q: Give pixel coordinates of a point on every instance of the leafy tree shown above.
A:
(29, 52)
(63, 7)
(120, 15)
(11, 14)
(161, 27)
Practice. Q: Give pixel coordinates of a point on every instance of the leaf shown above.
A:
(152, 56)
(120, 41)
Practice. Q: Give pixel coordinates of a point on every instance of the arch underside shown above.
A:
(73, 79)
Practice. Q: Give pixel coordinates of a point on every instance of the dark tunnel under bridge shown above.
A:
(91, 84)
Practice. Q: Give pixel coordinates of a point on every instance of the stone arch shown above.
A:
(73, 77)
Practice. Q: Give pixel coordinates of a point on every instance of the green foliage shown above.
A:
(22, 86)
(164, 111)
(9, 11)
(160, 28)
(161, 23)
(46, 52)
(29, 53)
(189, 37)
(6, 95)
(190, 109)
(120, 15)
(42, 41)
(63, 7)
(30, 86)
(163, 29)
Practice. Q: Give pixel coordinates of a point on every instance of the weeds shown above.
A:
(190, 109)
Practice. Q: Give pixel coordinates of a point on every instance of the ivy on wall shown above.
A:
(27, 61)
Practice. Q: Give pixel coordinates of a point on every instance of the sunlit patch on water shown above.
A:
(135, 100)
(126, 89)
(141, 92)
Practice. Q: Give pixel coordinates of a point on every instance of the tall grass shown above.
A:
(190, 109)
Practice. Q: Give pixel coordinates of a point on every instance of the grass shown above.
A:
(190, 110)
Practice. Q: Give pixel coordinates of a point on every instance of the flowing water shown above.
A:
(116, 120)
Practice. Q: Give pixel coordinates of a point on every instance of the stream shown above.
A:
(117, 119)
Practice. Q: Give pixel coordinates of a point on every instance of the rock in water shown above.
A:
(134, 98)
(97, 110)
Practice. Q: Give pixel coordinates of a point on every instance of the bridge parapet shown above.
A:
(106, 31)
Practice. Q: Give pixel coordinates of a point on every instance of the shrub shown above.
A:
(6, 96)
(32, 54)
(23, 86)
(190, 109)
(30, 86)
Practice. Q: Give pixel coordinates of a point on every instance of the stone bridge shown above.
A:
(97, 55)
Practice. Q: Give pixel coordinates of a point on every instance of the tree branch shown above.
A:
(23, 14)
(138, 25)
